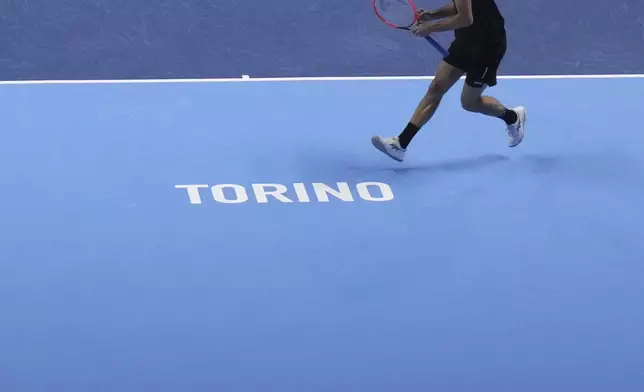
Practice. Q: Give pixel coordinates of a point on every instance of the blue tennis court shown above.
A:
(244, 235)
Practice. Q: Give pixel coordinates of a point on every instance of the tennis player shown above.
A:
(477, 50)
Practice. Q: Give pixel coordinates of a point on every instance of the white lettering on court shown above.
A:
(297, 192)
(385, 191)
(240, 193)
(193, 192)
(302, 194)
(322, 191)
(262, 191)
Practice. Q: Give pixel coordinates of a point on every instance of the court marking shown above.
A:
(249, 79)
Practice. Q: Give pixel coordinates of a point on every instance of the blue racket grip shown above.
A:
(436, 45)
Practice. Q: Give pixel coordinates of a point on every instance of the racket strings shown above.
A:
(398, 13)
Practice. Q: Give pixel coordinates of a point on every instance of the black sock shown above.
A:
(510, 117)
(407, 134)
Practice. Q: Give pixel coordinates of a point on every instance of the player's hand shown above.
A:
(426, 15)
(422, 29)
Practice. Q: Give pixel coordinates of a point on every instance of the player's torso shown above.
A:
(488, 26)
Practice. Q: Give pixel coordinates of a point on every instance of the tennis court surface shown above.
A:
(244, 235)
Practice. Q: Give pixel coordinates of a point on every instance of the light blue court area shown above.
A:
(246, 236)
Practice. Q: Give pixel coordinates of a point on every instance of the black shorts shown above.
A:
(479, 62)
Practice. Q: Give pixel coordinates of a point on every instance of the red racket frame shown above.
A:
(429, 39)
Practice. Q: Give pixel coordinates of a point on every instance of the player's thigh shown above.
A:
(446, 76)
(483, 66)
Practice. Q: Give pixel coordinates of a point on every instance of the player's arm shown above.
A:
(444, 12)
(462, 18)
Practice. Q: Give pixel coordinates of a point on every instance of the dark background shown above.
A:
(107, 39)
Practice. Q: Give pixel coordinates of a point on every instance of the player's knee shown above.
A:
(471, 104)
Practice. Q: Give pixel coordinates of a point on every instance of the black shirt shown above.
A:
(488, 26)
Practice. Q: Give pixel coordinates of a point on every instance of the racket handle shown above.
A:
(436, 45)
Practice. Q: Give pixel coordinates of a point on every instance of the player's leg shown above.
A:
(472, 99)
(446, 76)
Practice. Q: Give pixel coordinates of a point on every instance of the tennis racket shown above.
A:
(402, 15)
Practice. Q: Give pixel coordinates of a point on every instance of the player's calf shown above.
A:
(473, 100)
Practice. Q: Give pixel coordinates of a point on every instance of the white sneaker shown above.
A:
(516, 131)
(390, 146)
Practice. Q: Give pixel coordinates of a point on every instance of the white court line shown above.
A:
(248, 79)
